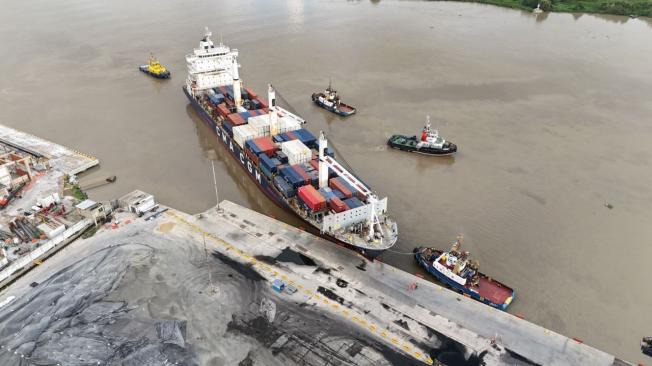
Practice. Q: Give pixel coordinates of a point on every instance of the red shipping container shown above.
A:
(266, 145)
(315, 164)
(236, 119)
(313, 199)
(336, 184)
(251, 156)
(251, 93)
(291, 135)
(262, 103)
(302, 173)
(337, 205)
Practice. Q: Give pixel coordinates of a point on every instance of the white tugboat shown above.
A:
(330, 101)
(295, 169)
(430, 143)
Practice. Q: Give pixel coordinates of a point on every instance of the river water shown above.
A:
(552, 116)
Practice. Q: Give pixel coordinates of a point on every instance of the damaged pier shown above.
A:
(231, 286)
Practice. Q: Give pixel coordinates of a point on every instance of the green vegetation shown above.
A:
(618, 7)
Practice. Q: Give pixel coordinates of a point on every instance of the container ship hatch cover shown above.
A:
(295, 169)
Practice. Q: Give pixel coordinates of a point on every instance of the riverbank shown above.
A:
(618, 7)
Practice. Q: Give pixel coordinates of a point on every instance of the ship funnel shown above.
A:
(323, 166)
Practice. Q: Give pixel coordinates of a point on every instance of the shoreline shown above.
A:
(629, 8)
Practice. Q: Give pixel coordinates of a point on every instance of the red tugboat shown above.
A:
(457, 271)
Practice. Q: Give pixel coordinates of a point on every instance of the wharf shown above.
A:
(336, 305)
(379, 298)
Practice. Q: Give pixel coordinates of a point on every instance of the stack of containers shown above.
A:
(353, 202)
(284, 187)
(228, 126)
(302, 173)
(251, 93)
(341, 185)
(282, 157)
(265, 145)
(287, 124)
(216, 99)
(266, 165)
(296, 152)
(291, 176)
(306, 137)
(243, 133)
(236, 119)
(337, 205)
(311, 198)
(224, 110)
(327, 193)
(314, 177)
(260, 124)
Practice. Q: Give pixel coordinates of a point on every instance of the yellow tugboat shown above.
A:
(155, 69)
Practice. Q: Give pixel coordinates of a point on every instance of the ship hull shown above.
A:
(344, 110)
(261, 181)
(425, 151)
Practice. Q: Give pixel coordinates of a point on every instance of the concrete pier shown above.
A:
(335, 305)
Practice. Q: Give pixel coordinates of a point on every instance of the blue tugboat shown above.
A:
(460, 273)
(330, 101)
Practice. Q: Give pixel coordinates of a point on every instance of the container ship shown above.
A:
(291, 166)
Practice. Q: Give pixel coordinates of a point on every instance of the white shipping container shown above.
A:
(260, 124)
(296, 152)
(287, 124)
(243, 133)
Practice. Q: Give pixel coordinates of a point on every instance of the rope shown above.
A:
(401, 253)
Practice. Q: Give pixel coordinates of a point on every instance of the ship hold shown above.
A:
(290, 165)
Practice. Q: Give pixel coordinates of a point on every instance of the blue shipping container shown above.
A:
(266, 162)
(283, 186)
(282, 157)
(266, 171)
(228, 126)
(353, 202)
(339, 194)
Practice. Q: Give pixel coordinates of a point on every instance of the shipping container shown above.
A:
(282, 157)
(296, 152)
(278, 138)
(267, 162)
(302, 173)
(338, 194)
(311, 198)
(228, 126)
(263, 103)
(261, 124)
(243, 133)
(314, 177)
(216, 99)
(353, 202)
(307, 166)
(251, 93)
(292, 177)
(236, 119)
(336, 183)
(266, 145)
(337, 205)
(306, 137)
(327, 193)
(251, 146)
(314, 164)
(284, 187)
(276, 162)
(266, 171)
(252, 156)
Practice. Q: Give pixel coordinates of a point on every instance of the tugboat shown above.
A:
(155, 69)
(646, 346)
(458, 272)
(330, 101)
(430, 143)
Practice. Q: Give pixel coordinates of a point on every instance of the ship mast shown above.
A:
(273, 113)
(323, 167)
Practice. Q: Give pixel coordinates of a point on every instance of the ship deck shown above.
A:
(493, 291)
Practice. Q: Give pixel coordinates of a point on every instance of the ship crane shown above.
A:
(326, 162)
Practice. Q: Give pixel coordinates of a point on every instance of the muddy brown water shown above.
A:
(552, 116)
